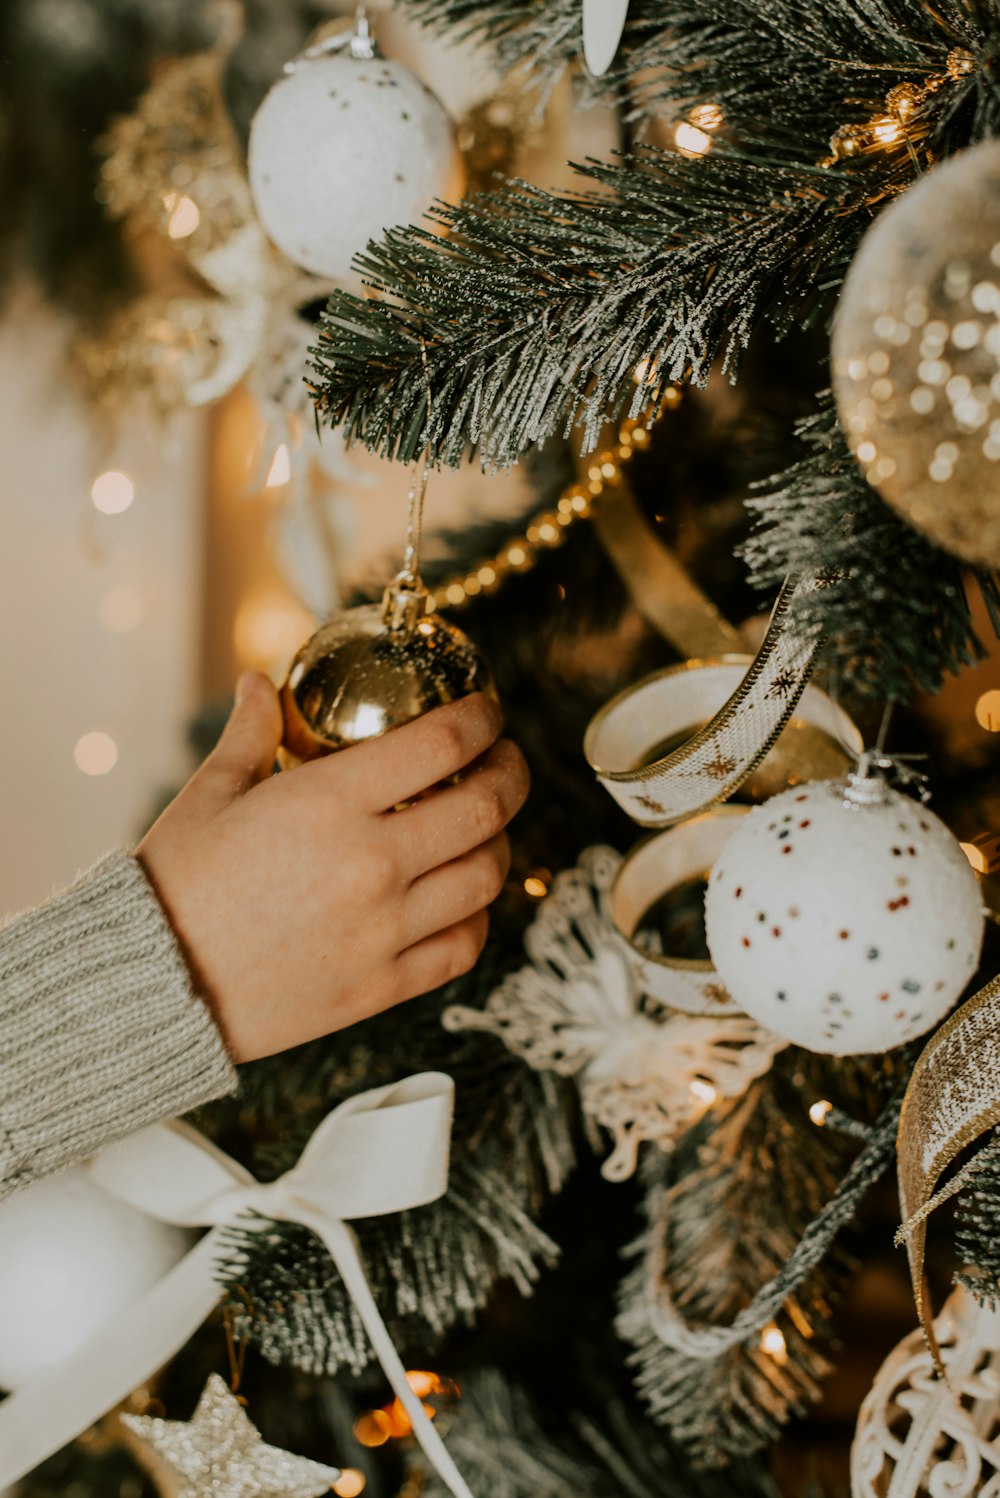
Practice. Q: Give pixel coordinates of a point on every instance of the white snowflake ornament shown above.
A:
(918, 1435)
(644, 1071)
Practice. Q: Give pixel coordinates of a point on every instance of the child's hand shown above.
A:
(303, 901)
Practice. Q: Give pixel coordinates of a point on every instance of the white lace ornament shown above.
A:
(579, 1008)
(918, 1435)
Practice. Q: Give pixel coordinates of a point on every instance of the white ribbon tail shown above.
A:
(341, 1242)
(38, 1420)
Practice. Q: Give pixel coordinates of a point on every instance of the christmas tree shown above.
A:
(746, 369)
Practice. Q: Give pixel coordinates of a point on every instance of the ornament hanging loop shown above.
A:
(331, 37)
(404, 604)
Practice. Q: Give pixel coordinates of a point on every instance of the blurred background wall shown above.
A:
(100, 614)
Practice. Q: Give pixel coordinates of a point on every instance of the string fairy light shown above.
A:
(988, 711)
(95, 753)
(350, 1483)
(112, 492)
(772, 1342)
(897, 123)
(183, 215)
(374, 1428)
(693, 136)
(280, 470)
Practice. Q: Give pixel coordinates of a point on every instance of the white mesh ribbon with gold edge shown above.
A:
(733, 708)
(651, 1040)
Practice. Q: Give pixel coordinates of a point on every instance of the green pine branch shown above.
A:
(537, 309)
(894, 608)
(781, 60)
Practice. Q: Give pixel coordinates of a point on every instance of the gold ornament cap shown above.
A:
(374, 668)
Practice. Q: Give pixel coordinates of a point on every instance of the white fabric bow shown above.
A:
(383, 1151)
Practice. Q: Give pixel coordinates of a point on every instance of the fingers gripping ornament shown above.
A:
(346, 145)
(378, 666)
(844, 916)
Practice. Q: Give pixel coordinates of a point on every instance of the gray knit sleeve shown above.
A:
(101, 1032)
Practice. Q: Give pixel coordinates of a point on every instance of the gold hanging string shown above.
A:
(237, 1345)
(418, 494)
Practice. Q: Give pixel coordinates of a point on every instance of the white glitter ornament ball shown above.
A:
(847, 928)
(344, 148)
(916, 355)
(71, 1255)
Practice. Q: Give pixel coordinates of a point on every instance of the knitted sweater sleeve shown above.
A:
(101, 1031)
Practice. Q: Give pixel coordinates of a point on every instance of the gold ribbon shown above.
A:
(953, 1098)
(659, 584)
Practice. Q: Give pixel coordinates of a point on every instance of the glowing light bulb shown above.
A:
(702, 1092)
(819, 1111)
(975, 856)
(120, 610)
(536, 888)
(887, 132)
(691, 141)
(112, 492)
(280, 470)
(95, 753)
(184, 216)
(706, 116)
(350, 1483)
(372, 1428)
(988, 711)
(269, 627)
(772, 1342)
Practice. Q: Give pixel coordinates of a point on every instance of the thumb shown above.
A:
(245, 753)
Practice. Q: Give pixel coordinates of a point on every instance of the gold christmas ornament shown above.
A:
(916, 355)
(373, 668)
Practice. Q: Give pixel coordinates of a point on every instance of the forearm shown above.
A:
(100, 1029)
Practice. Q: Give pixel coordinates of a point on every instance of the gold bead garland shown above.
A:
(549, 528)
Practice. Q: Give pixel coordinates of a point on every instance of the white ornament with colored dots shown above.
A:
(846, 927)
(344, 148)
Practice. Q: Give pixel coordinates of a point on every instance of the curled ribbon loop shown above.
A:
(742, 705)
(383, 1151)
(952, 1100)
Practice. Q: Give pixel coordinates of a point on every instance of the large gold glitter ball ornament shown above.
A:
(371, 669)
(916, 355)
